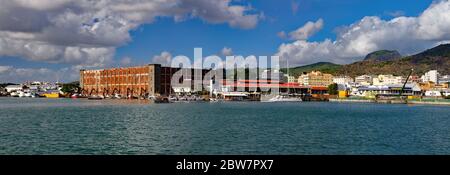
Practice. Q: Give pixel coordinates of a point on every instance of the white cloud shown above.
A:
(397, 13)
(9, 74)
(165, 59)
(4, 69)
(86, 32)
(408, 35)
(226, 51)
(306, 31)
(126, 61)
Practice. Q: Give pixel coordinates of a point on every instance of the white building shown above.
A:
(12, 88)
(345, 80)
(272, 75)
(291, 79)
(433, 93)
(444, 79)
(431, 75)
(364, 80)
(381, 80)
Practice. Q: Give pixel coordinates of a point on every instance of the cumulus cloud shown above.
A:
(85, 32)
(306, 31)
(165, 59)
(9, 74)
(408, 35)
(125, 61)
(397, 13)
(226, 51)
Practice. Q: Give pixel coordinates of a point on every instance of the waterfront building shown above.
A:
(344, 80)
(13, 88)
(444, 79)
(272, 75)
(315, 78)
(414, 79)
(431, 75)
(364, 80)
(426, 86)
(412, 89)
(257, 85)
(381, 80)
(433, 93)
(292, 79)
(152, 79)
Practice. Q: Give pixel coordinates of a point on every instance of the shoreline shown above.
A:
(439, 103)
(332, 100)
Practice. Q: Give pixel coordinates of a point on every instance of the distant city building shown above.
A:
(13, 88)
(414, 79)
(364, 80)
(431, 75)
(315, 78)
(372, 91)
(292, 79)
(444, 79)
(387, 80)
(272, 75)
(343, 80)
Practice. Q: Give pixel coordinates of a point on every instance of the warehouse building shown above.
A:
(141, 81)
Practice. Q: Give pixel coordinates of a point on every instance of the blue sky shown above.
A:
(182, 37)
(153, 35)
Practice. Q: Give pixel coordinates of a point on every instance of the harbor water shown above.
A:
(68, 126)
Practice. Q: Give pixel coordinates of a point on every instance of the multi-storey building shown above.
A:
(343, 80)
(364, 80)
(387, 80)
(138, 81)
(315, 78)
(431, 75)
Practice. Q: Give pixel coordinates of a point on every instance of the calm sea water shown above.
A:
(65, 126)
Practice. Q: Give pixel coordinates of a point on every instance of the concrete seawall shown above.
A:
(353, 100)
(407, 102)
(429, 102)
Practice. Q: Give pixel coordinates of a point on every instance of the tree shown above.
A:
(71, 88)
(333, 89)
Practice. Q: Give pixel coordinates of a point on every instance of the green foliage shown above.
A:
(324, 67)
(71, 88)
(333, 89)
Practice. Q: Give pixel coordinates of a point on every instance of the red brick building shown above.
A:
(152, 79)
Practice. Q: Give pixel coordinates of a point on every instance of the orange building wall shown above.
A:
(132, 81)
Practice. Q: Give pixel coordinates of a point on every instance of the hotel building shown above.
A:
(315, 78)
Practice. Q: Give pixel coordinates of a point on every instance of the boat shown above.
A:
(117, 96)
(283, 98)
(14, 94)
(51, 95)
(20, 94)
(95, 97)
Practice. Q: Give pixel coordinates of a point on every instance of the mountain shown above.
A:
(383, 55)
(437, 58)
(325, 67)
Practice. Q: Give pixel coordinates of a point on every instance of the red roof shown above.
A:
(263, 84)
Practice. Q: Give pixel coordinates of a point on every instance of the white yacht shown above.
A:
(283, 98)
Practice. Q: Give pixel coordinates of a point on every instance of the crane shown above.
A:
(404, 84)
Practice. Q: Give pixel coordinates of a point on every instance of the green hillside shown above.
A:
(320, 66)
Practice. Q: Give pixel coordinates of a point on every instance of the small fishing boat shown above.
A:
(95, 97)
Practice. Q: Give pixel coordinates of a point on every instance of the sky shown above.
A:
(51, 40)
